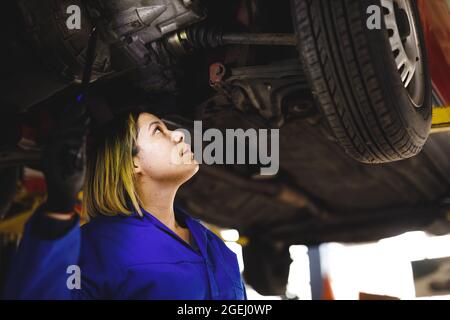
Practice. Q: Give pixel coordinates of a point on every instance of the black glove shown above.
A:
(64, 159)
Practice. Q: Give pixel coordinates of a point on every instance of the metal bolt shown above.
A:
(187, 3)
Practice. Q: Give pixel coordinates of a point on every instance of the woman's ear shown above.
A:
(136, 165)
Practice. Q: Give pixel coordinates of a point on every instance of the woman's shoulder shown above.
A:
(104, 222)
(109, 231)
(110, 240)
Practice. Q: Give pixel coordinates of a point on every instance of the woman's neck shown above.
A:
(158, 200)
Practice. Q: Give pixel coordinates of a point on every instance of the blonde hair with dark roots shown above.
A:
(110, 184)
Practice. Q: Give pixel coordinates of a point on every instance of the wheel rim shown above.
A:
(405, 45)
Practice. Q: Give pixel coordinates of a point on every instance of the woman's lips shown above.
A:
(188, 150)
(185, 150)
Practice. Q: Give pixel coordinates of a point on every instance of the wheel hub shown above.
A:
(404, 40)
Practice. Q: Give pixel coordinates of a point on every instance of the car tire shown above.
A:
(377, 109)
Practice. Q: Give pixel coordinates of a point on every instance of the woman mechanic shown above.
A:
(137, 243)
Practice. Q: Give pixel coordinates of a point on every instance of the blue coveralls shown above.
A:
(126, 257)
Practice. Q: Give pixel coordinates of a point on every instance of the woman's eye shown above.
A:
(157, 130)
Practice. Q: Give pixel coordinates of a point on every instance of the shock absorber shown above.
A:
(187, 40)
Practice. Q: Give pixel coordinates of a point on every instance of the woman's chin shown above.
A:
(190, 164)
(193, 166)
(189, 170)
(196, 166)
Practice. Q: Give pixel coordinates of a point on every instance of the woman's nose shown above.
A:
(177, 136)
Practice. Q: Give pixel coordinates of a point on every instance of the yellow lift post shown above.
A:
(440, 120)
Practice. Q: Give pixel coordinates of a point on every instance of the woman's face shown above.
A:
(163, 156)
